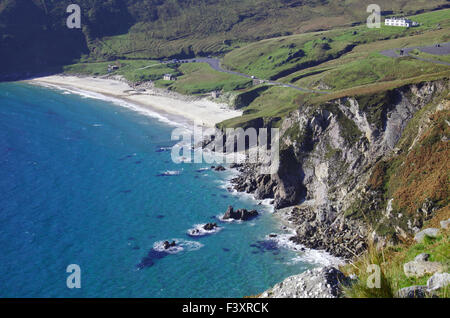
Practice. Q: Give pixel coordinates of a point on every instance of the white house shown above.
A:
(215, 94)
(400, 22)
(169, 77)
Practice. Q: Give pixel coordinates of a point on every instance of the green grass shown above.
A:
(391, 260)
(271, 104)
(431, 19)
(200, 78)
(319, 60)
(132, 70)
(442, 58)
(281, 57)
(271, 59)
(365, 65)
(210, 27)
(374, 68)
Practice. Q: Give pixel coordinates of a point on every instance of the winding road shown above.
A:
(215, 64)
(441, 49)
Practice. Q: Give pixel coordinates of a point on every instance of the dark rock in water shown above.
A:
(225, 249)
(131, 238)
(210, 226)
(126, 157)
(168, 245)
(145, 262)
(203, 230)
(219, 168)
(224, 196)
(268, 245)
(138, 162)
(160, 216)
(272, 235)
(125, 191)
(136, 248)
(240, 214)
(236, 165)
(148, 260)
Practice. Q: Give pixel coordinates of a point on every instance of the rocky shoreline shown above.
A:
(314, 228)
(323, 282)
(330, 185)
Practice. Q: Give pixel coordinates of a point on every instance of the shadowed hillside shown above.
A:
(33, 35)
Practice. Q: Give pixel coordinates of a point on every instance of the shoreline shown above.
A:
(285, 229)
(121, 93)
(174, 107)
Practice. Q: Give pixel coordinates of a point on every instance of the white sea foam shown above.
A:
(198, 230)
(265, 204)
(181, 245)
(230, 220)
(161, 149)
(116, 101)
(171, 173)
(306, 255)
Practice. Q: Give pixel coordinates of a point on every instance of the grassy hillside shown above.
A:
(291, 56)
(132, 70)
(200, 78)
(207, 27)
(391, 262)
(318, 60)
(34, 37)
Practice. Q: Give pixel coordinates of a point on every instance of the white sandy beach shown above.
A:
(201, 111)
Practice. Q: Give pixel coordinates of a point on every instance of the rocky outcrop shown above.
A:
(430, 232)
(413, 292)
(168, 245)
(422, 257)
(438, 281)
(325, 282)
(445, 224)
(328, 153)
(421, 268)
(210, 226)
(323, 231)
(240, 214)
(434, 284)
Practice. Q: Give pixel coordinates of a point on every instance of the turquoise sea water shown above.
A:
(80, 183)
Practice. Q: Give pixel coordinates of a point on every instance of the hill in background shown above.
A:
(34, 36)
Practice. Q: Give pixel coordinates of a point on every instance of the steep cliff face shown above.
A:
(331, 156)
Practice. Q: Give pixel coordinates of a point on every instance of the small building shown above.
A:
(169, 77)
(215, 94)
(400, 22)
(257, 81)
(112, 68)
